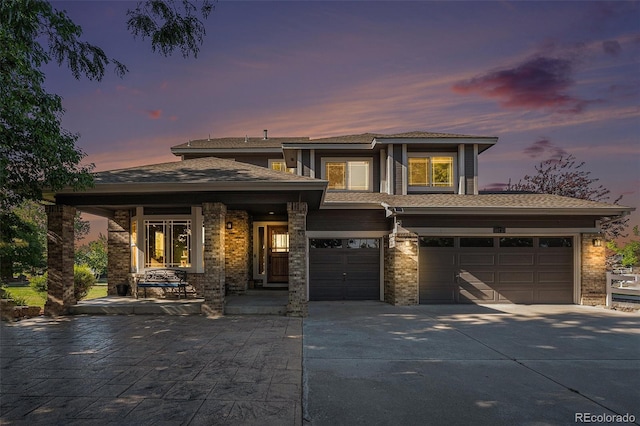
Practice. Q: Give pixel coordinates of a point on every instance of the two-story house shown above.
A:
(396, 218)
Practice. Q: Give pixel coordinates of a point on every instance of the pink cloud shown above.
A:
(542, 146)
(538, 83)
(154, 114)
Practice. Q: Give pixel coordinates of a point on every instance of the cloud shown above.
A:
(538, 83)
(611, 47)
(542, 146)
(154, 114)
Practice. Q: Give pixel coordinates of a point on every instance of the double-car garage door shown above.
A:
(344, 269)
(496, 269)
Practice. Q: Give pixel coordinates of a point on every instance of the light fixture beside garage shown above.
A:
(229, 225)
(597, 242)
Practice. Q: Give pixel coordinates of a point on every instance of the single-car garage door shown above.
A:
(496, 269)
(344, 269)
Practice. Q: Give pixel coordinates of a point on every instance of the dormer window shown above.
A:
(281, 166)
(347, 174)
(431, 171)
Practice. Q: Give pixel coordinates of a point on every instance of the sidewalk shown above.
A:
(139, 370)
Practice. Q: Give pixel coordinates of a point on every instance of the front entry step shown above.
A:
(115, 305)
(257, 302)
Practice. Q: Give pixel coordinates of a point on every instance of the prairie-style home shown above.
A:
(392, 217)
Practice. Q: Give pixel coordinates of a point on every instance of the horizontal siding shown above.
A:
(347, 220)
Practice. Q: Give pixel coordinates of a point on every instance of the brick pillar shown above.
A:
(298, 305)
(119, 250)
(60, 259)
(401, 270)
(236, 246)
(214, 215)
(593, 273)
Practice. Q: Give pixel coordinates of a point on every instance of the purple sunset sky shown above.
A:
(547, 78)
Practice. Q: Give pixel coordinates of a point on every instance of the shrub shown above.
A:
(39, 283)
(83, 280)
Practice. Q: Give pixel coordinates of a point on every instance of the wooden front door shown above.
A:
(278, 254)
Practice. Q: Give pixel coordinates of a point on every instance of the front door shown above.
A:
(278, 254)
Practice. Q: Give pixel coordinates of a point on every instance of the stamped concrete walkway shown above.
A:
(151, 370)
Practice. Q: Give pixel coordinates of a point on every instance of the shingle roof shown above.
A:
(199, 170)
(482, 201)
(238, 143)
(369, 137)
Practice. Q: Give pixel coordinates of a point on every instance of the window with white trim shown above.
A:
(167, 243)
(353, 174)
(431, 171)
(281, 166)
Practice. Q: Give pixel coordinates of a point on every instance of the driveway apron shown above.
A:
(369, 363)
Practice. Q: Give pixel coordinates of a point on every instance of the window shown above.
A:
(516, 242)
(436, 242)
(427, 170)
(133, 242)
(553, 242)
(167, 243)
(281, 166)
(348, 175)
(325, 243)
(360, 243)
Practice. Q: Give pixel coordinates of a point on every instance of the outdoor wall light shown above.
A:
(229, 225)
(597, 242)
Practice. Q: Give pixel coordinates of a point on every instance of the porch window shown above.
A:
(348, 175)
(134, 244)
(167, 243)
(427, 170)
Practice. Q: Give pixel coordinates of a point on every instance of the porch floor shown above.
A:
(253, 302)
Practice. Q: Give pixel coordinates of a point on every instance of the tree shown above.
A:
(35, 151)
(567, 177)
(630, 251)
(21, 247)
(94, 255)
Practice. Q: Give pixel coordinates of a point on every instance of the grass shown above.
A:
(33, 298)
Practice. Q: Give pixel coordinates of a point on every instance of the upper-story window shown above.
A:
(431, 171)
(352, 174)
(281, 166)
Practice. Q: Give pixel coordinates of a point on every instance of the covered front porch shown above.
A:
(205, 226)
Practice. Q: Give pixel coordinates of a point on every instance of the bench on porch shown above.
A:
(174, 279)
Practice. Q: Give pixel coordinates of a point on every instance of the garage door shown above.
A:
(344, 269)
(496, 269)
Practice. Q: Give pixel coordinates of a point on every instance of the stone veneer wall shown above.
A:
(593, 273)
(401, 270)
(297, 214)
(214, 215)
(60, 259)
(119, 249)
(236, 249)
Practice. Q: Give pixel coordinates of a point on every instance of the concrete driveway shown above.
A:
(375, 364)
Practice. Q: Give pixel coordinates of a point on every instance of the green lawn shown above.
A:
(33, 298)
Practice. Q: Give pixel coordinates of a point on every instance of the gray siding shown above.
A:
(306, 163)
(397, 169)
(469, 169)
(347, 220)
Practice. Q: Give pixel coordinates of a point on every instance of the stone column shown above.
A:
(214, 215)
(298, 305)
(401, 269)
(237, 251)
(119, 250)
(593, 272)
(60, 259)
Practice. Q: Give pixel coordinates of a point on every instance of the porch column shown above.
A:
(593, 272)
(214, 215)
(237, 251)
(119, 250)
(401, 269)
(298, 305)
(60, 259)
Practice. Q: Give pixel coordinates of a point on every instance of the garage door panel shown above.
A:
(557, 258)
(470, 259)
(554, 296)
(515, 296)
(523, 259)
(516, 277)
(554, 277)
(476, 295)
(439, 259)
(443, 294)
(478, 277)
